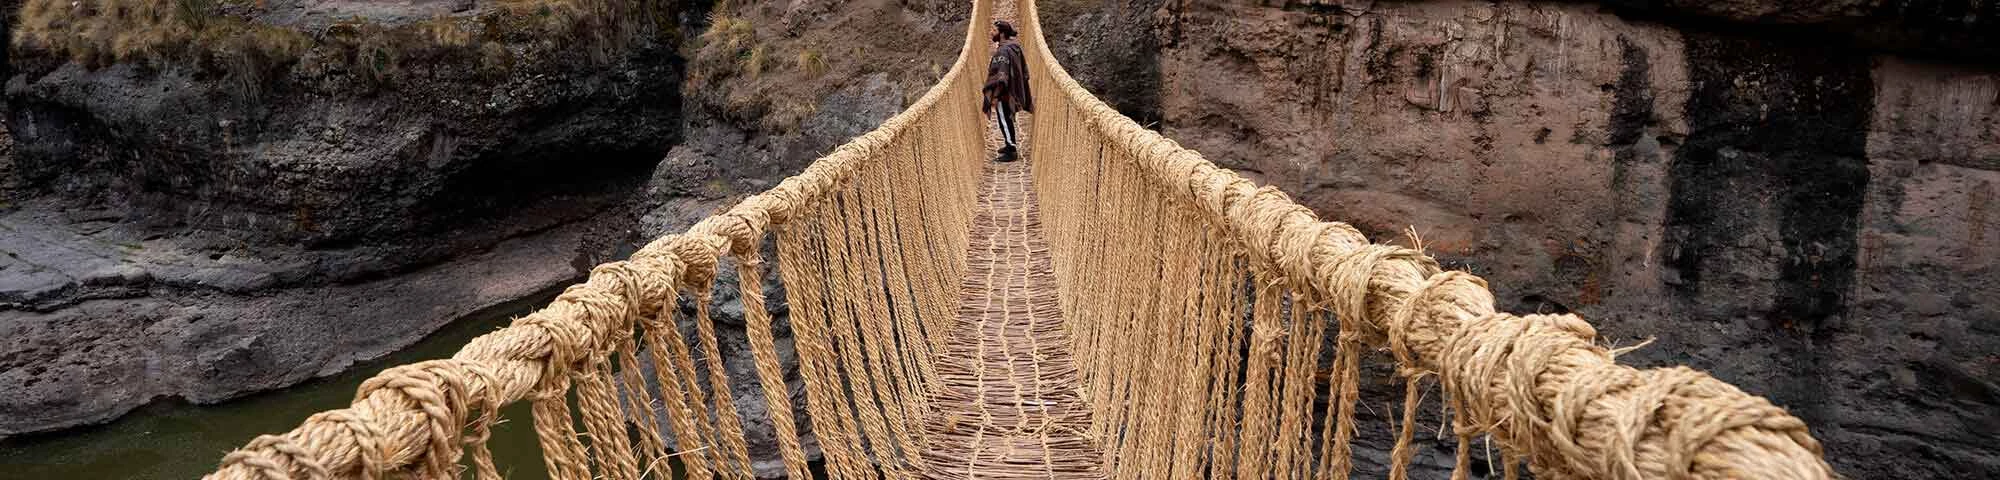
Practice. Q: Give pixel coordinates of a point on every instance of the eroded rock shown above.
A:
(175, 230)
(1772, 191)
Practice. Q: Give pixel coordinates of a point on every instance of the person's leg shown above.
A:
(1006, 117)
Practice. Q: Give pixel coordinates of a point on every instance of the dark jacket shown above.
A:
(1007, 77)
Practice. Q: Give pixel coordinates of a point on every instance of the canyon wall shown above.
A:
(1794, 199)
(172, 233)
(826, 71)
(1794, 196)
(271, 193)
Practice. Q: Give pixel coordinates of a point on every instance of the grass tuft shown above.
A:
(812, 62)
(754, 61)
(197, 33)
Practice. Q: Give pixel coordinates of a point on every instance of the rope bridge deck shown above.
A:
(1009, 406)
(1116, 307)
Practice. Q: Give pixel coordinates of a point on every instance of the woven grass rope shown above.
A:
(1112, 307)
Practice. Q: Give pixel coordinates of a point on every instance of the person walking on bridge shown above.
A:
(1007, 86)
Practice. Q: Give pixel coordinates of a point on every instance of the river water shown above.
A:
(176, 440)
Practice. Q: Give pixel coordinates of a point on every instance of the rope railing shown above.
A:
(1127, 206)
(909, 181)
(1196, 304)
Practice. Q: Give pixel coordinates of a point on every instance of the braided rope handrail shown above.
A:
(409, 416)
(1537, 383)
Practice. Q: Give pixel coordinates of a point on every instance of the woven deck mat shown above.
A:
(1009, 406)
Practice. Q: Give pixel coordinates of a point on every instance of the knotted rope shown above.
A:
(420, 419)
(1539, 385)
(1192, 301)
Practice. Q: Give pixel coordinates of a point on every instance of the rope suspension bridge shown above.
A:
(1115, 306)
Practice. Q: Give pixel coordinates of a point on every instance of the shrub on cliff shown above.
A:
(100, 32)
(214, 36)
(759, 63)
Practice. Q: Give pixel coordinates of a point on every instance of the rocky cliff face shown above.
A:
(1795, 196)
(172, 229)
(1794, 199)
(172, 235)
(827, 71)
(773, 87)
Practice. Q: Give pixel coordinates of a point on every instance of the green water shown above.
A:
(176, 440)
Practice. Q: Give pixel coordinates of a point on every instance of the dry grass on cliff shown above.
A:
(601, 28)
(769, 65)
(194, 33)
(102, 32)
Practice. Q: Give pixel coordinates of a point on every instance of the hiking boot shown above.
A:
(1007, 156)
